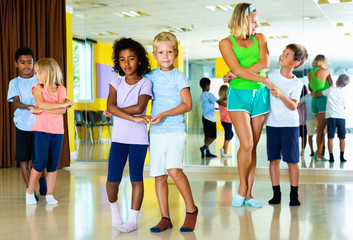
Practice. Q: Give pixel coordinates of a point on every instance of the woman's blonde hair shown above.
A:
(165, 37)
(239, 22)
(50, 72)
(222, 92)
(319, 61)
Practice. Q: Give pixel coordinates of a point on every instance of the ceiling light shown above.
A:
(265, 24)
(210, 41)
(339, 25)
(334, 1)
(80, 16)
(345, 1)
(129, 14)
(219, 8)
(347, 34)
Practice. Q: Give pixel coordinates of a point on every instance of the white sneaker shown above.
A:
(30, 199)
(224, 154)
(50, 199)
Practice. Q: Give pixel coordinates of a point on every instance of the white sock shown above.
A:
(30, 199)
(50, 199)
(116, 219)
(131, 223)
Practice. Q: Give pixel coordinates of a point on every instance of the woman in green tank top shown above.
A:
(246, 55)
(319, 80)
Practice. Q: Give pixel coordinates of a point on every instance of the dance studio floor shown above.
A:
(83, 211)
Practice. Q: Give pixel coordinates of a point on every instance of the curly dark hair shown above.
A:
(128, 43)
(23, 51)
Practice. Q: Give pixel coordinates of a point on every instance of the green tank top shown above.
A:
(317, 85)
(247, 57)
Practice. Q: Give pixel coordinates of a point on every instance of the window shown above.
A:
(83, 82)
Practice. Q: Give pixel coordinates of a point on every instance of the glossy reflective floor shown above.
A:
(83, 211)
(99, 153)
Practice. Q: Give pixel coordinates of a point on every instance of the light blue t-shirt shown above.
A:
(307, 100)
(207, 101)
(166, 87)
(23, 119)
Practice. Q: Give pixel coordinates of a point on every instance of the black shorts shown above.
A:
(336, 123)
(24, 145)
(209, 128)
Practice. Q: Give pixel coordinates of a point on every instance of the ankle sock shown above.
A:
(276, 195)
(131, 223)
(332, 159)
(164, 224)
(42, 186)
(238, 200)
(190, 221)
(294, 196)
(116, 219)
(50, 199)
(342, 157)
(30, 199)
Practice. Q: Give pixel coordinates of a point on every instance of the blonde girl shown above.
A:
(225, 121)
(51, 104)
(319, 80)
(245, 53)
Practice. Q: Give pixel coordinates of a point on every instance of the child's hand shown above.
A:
(107, 114)
(140, 119)
(35, 110)
(276, 92)
(270, 85)
(157, 119)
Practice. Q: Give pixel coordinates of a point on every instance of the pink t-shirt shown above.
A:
(50, 122)
(223, 114)
(125, 131)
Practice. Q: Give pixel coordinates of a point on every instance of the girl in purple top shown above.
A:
(127, 102)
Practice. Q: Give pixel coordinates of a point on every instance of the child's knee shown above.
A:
(175, 173)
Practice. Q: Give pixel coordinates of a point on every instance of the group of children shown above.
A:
(169, 91)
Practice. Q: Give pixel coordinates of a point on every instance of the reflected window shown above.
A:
(82, 61)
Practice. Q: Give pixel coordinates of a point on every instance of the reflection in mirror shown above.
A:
(321, 28)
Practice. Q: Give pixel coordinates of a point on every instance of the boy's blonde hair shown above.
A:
(319, 61)
(300, 53)
(239, 21)
(50, 71)
(222, 92)
(165, 37)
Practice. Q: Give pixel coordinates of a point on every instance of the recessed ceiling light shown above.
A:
(265, 24)
(210, 41)
(345, 1)
(131, 14)
(339, 25)
(322, 1)
(347, 34)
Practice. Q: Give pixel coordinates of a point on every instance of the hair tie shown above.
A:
(314, 67)
(250, 9)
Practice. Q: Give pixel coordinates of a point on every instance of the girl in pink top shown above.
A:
(51, 104)
(225, 121)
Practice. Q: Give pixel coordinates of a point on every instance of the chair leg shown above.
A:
(100, 133)
(76, 135)
(91, 135)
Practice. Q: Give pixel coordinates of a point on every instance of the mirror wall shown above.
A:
(323, 27)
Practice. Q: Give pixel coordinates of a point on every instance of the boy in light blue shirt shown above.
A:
(20, 94)
(172, 98)
(209, 117)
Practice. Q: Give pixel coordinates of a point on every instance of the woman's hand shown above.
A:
(229, 76)
(157, 119)
(107, 114)
(35, 110)
(270, 85)
(68, 103)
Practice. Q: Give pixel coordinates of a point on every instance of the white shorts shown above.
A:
(166, 152)
(310, 126)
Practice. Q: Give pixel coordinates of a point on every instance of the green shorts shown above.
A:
(256, 102)
(318, 104)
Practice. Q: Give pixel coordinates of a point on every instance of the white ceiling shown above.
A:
(286, 17)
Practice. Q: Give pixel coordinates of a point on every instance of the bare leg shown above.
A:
(342, 144)
(256, 126)
(275, 172)
(321, 130)
(51, 179)
(161, 186)
(225, 146)
(137, 195)
(241, 123)
(24, 166)
(310, 141)
(34, 178)
(182, 183)
(293, 174)
(112, 191)
(208, 142)
(330, 145)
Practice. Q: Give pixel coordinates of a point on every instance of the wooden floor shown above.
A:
(83, 211)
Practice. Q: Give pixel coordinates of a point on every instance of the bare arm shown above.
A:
(221, 103)
(41, 104)
(309, 78)
(18, 104)
(184, 107)
(264, 57)
(226, 48)
(139, 107)
(291, 104)
(113, 109)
